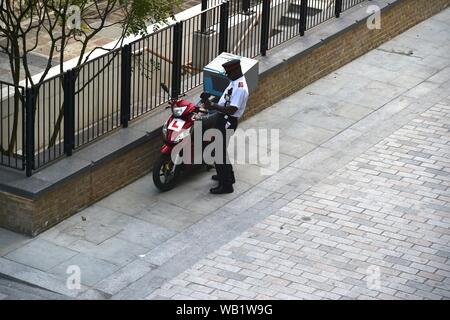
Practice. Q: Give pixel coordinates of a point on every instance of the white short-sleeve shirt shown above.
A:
(238, 98)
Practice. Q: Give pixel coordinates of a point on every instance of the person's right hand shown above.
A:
(204, 96)
(207, 104)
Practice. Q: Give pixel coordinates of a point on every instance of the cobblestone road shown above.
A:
(377, 228)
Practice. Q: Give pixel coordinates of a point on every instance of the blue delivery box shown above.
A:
(215, 80)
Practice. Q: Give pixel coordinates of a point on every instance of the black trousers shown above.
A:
(223, 166)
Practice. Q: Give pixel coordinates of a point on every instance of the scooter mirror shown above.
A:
(164, 87)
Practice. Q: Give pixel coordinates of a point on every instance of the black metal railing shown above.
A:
(12, 128)
(95, 92)
(347, 4)
(49, 120)
(244, 28)
(289, 19)
(43, 123)
(150, 63)
(200, 40)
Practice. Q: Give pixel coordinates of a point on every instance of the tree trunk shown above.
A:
(17, 98)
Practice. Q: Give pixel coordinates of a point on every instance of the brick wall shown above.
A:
(32, 216)
(88, 188)
(16, 213)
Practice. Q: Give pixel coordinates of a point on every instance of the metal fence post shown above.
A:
(30, 108)
(303, 16)
(338, 8)
(245, 6)
(223, 32)
(69, 112)
(203, 17)
(265, 20)
(176, 58)
(125, 86)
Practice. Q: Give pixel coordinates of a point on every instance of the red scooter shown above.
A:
(177, 128)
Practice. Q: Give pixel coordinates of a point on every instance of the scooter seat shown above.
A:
(208, 119)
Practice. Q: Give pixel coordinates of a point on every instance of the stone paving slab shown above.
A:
(37, 278)
(367, 192)
(41, 254)
(93, 270)
(13, 290)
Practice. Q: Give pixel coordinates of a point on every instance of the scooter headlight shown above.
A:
(182, 135)
(178, 111)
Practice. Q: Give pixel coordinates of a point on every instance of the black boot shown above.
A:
(216, 178)
(222, 188)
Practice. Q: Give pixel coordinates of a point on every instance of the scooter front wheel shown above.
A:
(164, 177)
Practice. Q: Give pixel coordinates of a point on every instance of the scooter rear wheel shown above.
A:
(163, 177)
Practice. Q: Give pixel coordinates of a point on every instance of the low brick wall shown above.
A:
(32, 216)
